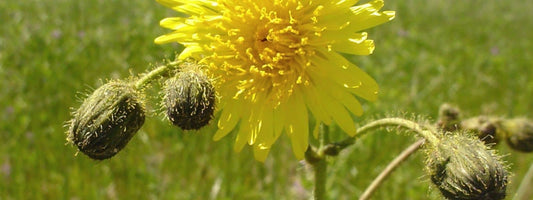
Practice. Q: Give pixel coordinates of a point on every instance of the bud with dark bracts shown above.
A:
(189, 99)
(107, 120)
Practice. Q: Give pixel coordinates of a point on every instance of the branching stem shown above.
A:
(425, 131)
(316, 157)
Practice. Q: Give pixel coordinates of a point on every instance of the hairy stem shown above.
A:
(425, 131)
(390, 168)
(155, 74)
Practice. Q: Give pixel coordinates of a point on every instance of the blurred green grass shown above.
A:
(476, 54)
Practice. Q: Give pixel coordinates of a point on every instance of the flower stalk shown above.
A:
(425, 131)
(156, 73)
(437, 144)
(390, 168)
(321, 167)
(316, 157)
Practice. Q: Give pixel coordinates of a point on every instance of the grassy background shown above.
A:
(476, 54)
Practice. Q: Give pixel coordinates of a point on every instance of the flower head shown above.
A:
(107, 120)
(519, 134)
(272, 61)
(463, 168)
(189, 98)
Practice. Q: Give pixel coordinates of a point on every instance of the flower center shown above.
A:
(266, 49)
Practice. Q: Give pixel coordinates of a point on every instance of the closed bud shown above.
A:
(189, 98)
(449, 118)
(463, 168)
(488, 129)
(519, 134)
(107, 120)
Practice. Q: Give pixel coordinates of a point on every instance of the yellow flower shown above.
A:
(275, 62)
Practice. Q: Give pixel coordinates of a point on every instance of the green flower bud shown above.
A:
(107, 120)
(449, 118)
(488, 129)
(519, 134)
(463, 168)
(189, 98)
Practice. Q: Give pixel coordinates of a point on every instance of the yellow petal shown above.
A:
(337, 92)
(297, 124)
(190, 51)
(173, 23)
(198, 7)
(228, 119)
(170, 3)
(266, 135)
(367, 15)
(338, 100)
(341, 116)
(343, 72)
(279, 121)
(357, 18)
(331, 20)
(243, 136)
(172, 37)
(255, 123)
(245, 129)
(261, 152)
(315, 105)
(364, 48)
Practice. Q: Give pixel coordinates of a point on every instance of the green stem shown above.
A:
(427, 132)
(323, 134)
(155, 74)
(320, 167)
(525, 185)
(390, 168)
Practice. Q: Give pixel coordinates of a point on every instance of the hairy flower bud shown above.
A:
(463, 168)
(107, 120)
(488, 129)
(449, 118)
(189, 98)
(519, 134)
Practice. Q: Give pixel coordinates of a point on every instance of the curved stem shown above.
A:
(425, 131)
(154, 74)
(390, 168)
(525, 185)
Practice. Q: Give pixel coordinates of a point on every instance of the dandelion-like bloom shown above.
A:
(275, 61)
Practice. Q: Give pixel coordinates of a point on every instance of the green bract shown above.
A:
(463, 168)
(107, 120)
(189, 99)
(519, 134)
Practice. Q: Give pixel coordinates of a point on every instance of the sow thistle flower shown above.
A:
(275, 61)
